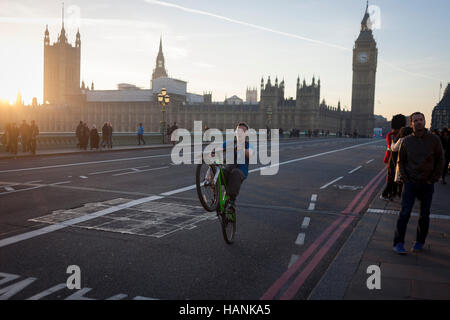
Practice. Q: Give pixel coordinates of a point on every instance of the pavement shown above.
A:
(424, 275)
(68, 151)
(132, 222)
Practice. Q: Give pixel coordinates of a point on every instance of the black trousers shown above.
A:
(234, 178)
(141, 137)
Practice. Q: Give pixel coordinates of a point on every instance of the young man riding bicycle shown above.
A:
(236, 171)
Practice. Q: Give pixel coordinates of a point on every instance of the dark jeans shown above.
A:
(424, 193)
(141, 137)
(234, 178)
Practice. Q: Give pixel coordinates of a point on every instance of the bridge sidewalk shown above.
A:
(423, 275)
(67, 151)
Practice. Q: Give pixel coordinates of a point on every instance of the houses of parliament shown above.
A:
(66, 102)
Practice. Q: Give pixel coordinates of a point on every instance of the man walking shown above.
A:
(110, 134)
(24, 135)
(34, 132)
(420, 164)
(140, 134)
(79, 133)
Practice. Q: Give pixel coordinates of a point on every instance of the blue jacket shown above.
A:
(141, 130)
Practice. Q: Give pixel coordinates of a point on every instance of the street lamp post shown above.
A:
(163, 99)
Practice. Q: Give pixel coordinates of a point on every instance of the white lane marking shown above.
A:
(312, 206)
(143, 298)
(79, 295)
(62, 225)
(7, 277)
(11, 290)
(308, 141)
(21, 190)
(309, 157)
(9, 188)
(48, 229)
(30, 182)
(48, 291)
(119, 296)
(331, 182)
(369, 161)
(300, 239)
(414, 214)
(294, 258)
(314, 198)
(109, 171)
(57, 183)
(83, 177)
(138, 171)
(179, 190)
(305, 223)
(357, 168)
(84, 163)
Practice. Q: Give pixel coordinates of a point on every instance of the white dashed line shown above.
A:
(83, 177)
(138, 171)
(294, 258)
(300, 239)
(331, 182)
(369, 161)
(357, 168)
(305, 223)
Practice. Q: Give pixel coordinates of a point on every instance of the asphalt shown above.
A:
(191, 261)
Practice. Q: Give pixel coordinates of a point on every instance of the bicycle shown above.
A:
(211, 190)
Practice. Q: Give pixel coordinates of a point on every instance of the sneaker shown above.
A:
(417, 247)
(384, 198)
(399, 248)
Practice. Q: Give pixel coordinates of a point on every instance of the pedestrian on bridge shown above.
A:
(34, 132)
(14, 138)
(105, 137)
(420, 164)
(93, 137)
(78, 133)
(140, 134)
(24, 135)
(390, 158)
(445, 140)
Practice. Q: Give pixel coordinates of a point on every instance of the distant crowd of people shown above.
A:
(91, 136)
(415, 160)
(26, 134)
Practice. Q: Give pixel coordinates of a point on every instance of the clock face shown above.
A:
(363, 57)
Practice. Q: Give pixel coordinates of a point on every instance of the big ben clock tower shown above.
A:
(365, 55)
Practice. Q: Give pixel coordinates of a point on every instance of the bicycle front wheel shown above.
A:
(207, 191)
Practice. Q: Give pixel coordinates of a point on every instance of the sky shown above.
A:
(226, 46)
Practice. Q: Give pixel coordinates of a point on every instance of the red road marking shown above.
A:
(298, 282)
(278, 284)
(276, 287)
(292, 290)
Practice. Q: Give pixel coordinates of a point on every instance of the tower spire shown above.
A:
(366, 23)
(62, 37)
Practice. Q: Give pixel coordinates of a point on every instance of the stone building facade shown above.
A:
(68, 103)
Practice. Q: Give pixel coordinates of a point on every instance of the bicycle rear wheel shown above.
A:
(207, 191)
(228, 224)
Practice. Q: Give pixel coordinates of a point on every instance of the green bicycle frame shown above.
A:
(222, 200)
